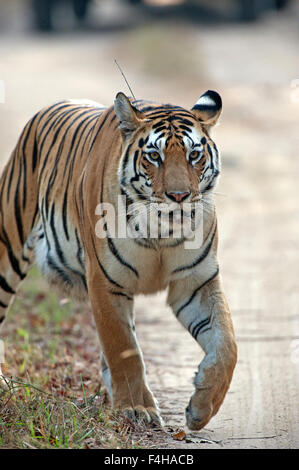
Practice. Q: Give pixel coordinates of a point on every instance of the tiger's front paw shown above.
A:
(211, 386)
(204, 404)
(143, 415)
(140, 406)
(198, 416)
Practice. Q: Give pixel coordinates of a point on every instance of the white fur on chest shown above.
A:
(151, 270)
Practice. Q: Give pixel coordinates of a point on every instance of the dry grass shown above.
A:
(55, 399)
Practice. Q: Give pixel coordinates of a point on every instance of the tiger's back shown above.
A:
(65, 137)
(37, 190)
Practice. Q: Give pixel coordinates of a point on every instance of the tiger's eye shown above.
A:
(194, 155)
(154, 155)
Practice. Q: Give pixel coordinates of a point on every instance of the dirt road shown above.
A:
(254, 68)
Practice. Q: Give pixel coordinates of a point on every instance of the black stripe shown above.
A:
(196, 329)
(64, 215)
(51, 182)
(24, 181)
(17, 209)
(25, 136)
(81, 209)
(50, 121)
(79, 251)
(136, 177)
(57, 245)
(112, 119)
(203, 255)
(44, 224)
(183, 120)
(103, 269)
(77, 273)
(1, 319)
(167, 108)
(69, 116)
(62, 258)
(196, 291)
(11, 174)
(24, 258)
(55, 108)
(121, 294)
(34, 155)
(158, 124)
(113, 249)
(59, 270)
(183, 114)
(160, 128)
(205, 107)
(6, 287)
(185, 128)
(13, 260)
(62, 142)
(34, 215)
(212, 166)
(140, 195)
(144, 242)
(85, 153)
(100, 127)
(87, 121)
(216, 152)
(28, 133)
(147, 108)
(3, 305)
(110, 242)
(70, 163)
(126, 158)
(209, 187)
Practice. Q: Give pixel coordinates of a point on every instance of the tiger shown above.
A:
(73, 158)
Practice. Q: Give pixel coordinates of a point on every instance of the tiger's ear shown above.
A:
(208, 108)
(129, 117)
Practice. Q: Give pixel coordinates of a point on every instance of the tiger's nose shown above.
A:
(178, 196)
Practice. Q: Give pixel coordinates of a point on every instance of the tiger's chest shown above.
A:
(138, 267)
(144, 270)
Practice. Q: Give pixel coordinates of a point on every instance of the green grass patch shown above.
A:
(33, 418)
(52, 362)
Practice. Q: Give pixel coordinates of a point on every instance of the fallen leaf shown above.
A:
(179, 436)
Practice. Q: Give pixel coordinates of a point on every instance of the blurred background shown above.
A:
(173, 51)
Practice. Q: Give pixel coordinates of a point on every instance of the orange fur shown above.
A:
(70, 158)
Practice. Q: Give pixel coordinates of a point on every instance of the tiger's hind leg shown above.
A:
(18, 214)
(14, 266)
(106, 376)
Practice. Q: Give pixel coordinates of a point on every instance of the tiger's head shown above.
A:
(168, 156)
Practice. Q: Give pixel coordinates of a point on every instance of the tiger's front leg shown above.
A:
(123, 369)
(203, 310)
